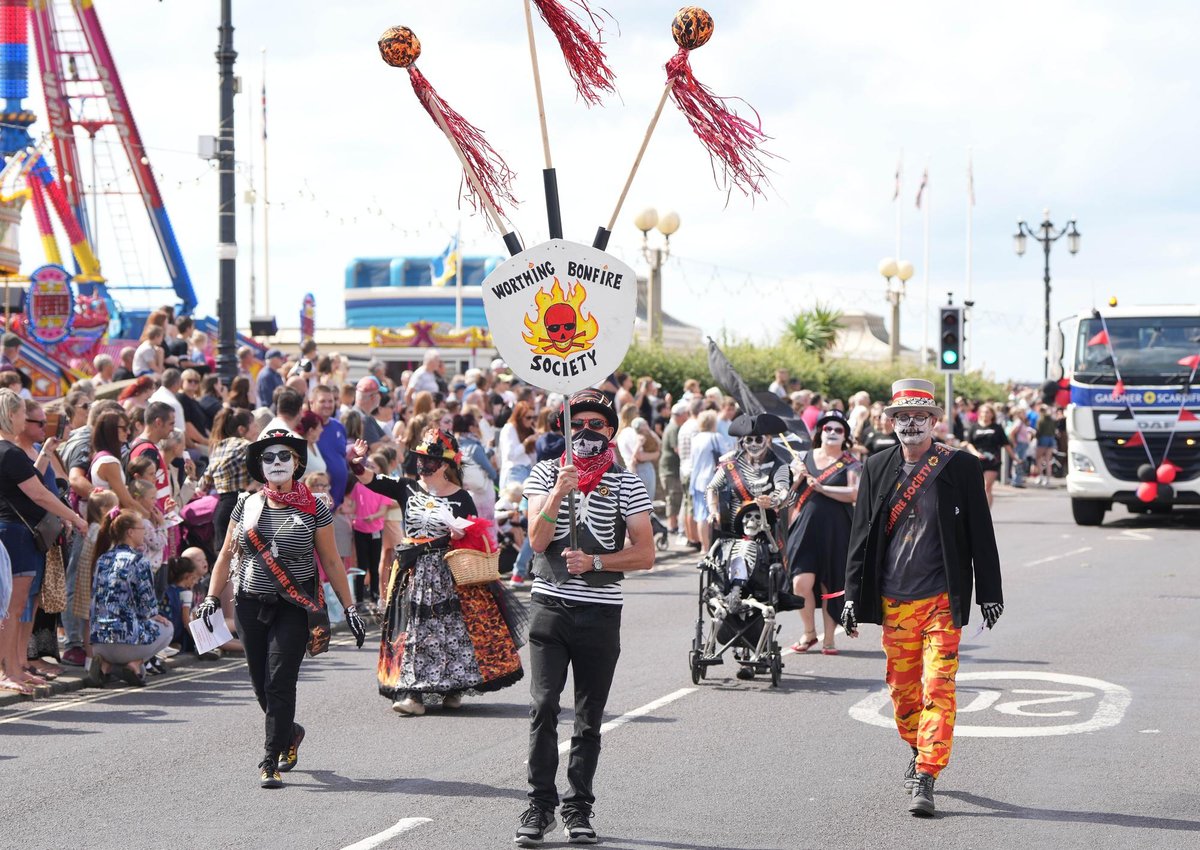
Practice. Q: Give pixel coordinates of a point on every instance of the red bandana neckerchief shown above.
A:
(299, 497)
(592, 469)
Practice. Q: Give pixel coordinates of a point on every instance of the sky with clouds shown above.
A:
(1087, 108)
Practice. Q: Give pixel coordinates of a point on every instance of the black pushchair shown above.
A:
(741, 622)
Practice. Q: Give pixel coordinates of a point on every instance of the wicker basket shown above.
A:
(470, 566)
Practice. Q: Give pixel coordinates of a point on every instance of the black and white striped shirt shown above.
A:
(292, 533)
(619, 493)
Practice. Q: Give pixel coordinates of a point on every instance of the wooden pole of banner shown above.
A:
(510, 239)
(602, 235)
(570, 461)
(549, 176)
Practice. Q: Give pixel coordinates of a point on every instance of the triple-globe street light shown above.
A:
(645, 221)
(897, 273)
(1047, 235)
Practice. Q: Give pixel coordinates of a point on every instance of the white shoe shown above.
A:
(452, 701)
(408, 707)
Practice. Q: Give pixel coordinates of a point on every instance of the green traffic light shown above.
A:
(950, 357)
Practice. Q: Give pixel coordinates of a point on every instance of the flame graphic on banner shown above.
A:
(561, 327)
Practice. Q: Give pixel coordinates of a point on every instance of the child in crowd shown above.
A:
(99, 505)
(509, 532)
(182, 576)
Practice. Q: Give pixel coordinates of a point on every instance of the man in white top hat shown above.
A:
(922, 536)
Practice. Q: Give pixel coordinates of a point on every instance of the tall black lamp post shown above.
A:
(1047, 235)
(227, 247)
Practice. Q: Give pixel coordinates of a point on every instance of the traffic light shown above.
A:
(950, 351)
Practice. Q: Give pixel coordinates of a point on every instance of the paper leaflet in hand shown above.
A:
(207, 641)
(447, 516)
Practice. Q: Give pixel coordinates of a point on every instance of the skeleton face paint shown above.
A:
(755, 446)
(915, 429)
(278, 466)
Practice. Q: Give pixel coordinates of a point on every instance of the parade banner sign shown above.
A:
(1166, 397)
(49, 304)
(308, 317)
(561, 314)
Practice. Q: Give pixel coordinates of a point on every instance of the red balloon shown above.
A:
(1147, 491)
(1166, 473)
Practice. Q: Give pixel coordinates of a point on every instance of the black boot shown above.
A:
(922, 797)
(910, 775)
(268, 772)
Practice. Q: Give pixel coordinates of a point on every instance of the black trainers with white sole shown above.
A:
(577, 826)
(535, 823)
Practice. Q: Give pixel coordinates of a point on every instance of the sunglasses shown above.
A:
(272, 457)
(914, 418)
(588, 424)
(833, 429)
(41, 422)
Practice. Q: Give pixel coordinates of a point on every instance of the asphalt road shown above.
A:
(1077, 728)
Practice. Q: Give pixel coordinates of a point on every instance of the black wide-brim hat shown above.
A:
(831, 416)
(592, 401)
(761, 425)
(276, 437)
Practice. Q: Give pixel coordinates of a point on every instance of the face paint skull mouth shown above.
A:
(588, 443)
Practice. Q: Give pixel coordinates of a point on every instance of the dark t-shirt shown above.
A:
(211, 405)
(913, 567)
(989, 441)
(122, 374)
(194, 414)
(877, 441)
(15, 469)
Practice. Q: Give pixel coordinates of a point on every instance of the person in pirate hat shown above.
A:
(754, 475)
(440, 640)
(921, 537)
(827, 485)
(270, 548)
(580, 511)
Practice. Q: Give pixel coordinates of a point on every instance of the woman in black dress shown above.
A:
(819, 537)
(987, 441)
(270, 549)
(440, 640)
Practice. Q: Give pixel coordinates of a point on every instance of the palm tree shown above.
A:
(815, 330)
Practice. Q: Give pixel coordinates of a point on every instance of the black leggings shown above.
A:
(226, 502)
(367, 549)
(275, 635)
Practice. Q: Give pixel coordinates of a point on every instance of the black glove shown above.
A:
(356, 625)
(849, 620)
(991, 612)
(211, 605)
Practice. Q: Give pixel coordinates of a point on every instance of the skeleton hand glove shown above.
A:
(849, 620)
(991, 612)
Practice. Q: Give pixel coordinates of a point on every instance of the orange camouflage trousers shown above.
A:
(921, 645)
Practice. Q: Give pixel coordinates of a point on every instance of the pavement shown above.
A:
(1076, 729)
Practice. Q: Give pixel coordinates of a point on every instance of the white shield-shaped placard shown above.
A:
(561, 314)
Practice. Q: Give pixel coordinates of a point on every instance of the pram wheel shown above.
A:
(662, 542)
(776, 667)
(697, 667)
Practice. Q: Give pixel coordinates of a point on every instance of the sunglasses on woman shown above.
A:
(833, 429)
(588, 424)
(272, 457)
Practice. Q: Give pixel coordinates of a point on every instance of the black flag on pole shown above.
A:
(754, 403)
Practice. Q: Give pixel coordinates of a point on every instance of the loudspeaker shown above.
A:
(263, 326)
(16, 297)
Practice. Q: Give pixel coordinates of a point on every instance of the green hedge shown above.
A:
(834, 378)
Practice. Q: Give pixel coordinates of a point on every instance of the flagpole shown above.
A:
(925, 210)
(898, 200)
(250, 199)
(458, 290)
(266, 196)
(970, 212)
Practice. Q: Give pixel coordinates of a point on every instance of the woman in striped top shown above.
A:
(291, 527)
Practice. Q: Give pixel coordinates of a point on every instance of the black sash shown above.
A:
(822, 476)
(289, 589)
(909, 488)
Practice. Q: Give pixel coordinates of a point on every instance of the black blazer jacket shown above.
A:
(964, 523)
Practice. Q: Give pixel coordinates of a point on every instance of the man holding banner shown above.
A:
(921, 536)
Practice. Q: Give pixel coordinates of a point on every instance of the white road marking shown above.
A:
(1113, 700)
(1050, 558)
(1148, 731)
(1129, 534)
(401, 827)
(633, 715)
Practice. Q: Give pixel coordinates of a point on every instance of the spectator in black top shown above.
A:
(212, 397)
(987, 441)
(124, 372)
(189, 400)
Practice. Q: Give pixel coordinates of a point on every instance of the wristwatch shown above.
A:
(596, 565)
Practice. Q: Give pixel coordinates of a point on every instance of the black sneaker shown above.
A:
(290, 757)
(577, 826)
(535, 823)
(922, 797)
(268, 774)
(910, 775)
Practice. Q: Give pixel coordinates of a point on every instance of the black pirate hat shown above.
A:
(595, 402)
(761, 425)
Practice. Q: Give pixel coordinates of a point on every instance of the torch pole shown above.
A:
(570, 461)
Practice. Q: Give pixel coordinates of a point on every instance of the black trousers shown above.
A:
(587, 639)
(275, 635)
(226, 502)
(368, 549)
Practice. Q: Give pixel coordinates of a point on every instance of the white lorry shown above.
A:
(1133, 404)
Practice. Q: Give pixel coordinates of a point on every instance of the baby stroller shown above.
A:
(739, 620)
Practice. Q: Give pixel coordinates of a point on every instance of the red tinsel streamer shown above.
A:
(584, 57)
(490, 168)
(480, 536)
(729, 138)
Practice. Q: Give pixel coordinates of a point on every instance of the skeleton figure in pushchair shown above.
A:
(742, 578)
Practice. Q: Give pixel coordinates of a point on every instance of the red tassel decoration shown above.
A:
(490, 168)
(729, 138)
(582, 52)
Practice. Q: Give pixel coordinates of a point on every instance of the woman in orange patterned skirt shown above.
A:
(439, 640)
